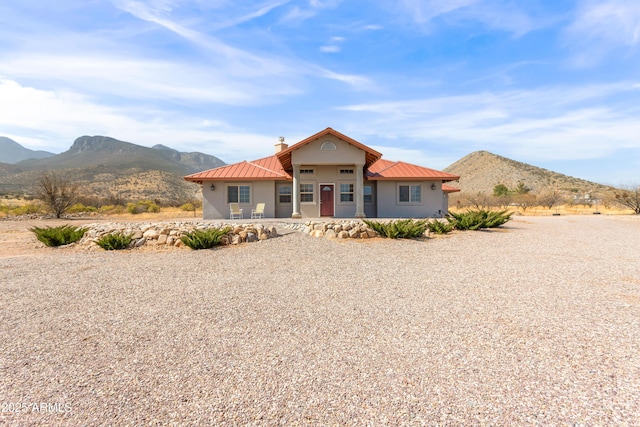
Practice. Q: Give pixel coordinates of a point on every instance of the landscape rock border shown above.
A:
(168, 234)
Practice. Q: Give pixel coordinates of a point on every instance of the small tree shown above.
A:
(57, 193)
(521, 189)
(501, 190)
(629, 198)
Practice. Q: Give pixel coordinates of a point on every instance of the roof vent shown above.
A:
(281, 145)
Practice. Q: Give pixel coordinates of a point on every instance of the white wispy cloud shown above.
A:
(548, 123)
(52, 120)
(600, 28)
(517, 18)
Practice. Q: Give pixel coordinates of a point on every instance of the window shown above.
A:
(346, 171)
(284, 194)
(410, 193)
(367, 192)
(328, 146)
(346, 192)
(306, 193)
(239, 194)
(306, 171)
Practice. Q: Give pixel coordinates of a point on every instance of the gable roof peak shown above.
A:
(371, 155)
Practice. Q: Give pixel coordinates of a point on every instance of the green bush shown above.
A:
(476, 220)
(142, 206)
(58, 236)
(111, 209)
(29, 208)
(204, 239)
(79, 207)
(188, 207)
(399, 229)
(115, 241)
(439, 227)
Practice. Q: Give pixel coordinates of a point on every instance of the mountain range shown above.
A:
(12, 152)
(107, 168)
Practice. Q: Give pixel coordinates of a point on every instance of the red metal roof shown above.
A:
(371, 155)
(449, 189)
(267, 168)
(276, 167)
(389, 170)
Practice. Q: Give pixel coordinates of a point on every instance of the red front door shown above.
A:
(326, 200)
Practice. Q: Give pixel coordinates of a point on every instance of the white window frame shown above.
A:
(352, 192)
(411, 200)
(290, 194)
(328, 146)
(312, 192)
(238, 192)
(364, 194)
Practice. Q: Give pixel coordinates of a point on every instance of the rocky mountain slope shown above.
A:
(11, 152)
(480, 171)
(105, 167)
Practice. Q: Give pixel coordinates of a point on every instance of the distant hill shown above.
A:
(11, 152)
(480, 171)
(106, 167)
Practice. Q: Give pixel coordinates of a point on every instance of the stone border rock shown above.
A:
(347, 229)
(169, 233)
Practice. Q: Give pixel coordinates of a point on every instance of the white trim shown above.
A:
(353, 192)
(409, 184)
(238, 184)
(313, 193)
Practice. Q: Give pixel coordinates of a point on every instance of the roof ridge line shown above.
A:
(393, 163)
(267, 169)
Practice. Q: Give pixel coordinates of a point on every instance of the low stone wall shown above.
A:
(347, 229)
(169, 233)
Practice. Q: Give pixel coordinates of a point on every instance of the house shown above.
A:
(325, 175)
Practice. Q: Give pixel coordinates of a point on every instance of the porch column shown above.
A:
(360, 192)
(296, 192)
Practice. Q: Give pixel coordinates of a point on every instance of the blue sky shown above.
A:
(554, 83)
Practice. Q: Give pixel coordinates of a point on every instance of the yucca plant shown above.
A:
(205, 239)
(58, 236)
(115, 241)
(439, 227)
(399, 229)
(476, 220)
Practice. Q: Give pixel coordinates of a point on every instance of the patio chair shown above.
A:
(258, 212)
(236, 212)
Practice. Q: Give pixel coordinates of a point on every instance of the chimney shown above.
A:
(281, 145)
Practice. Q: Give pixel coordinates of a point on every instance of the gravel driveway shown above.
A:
(537, 323)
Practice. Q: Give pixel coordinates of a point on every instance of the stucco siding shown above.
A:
(311, 154)
(389, 206)
(215, 204)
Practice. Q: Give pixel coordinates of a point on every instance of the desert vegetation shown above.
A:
(205, 239)
(58, 236)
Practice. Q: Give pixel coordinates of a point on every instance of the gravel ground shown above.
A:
(534, 324)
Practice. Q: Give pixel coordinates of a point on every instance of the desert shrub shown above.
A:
(204, 239)
(29, 208)
(439, 227)
(58, 236)
(477, 219)
(111, 209)
(115, 241)
(399, 229)
(142, 206)
(188, 207)
(79, 207)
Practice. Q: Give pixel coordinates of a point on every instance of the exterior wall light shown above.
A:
(213, 187)
(433, 186)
